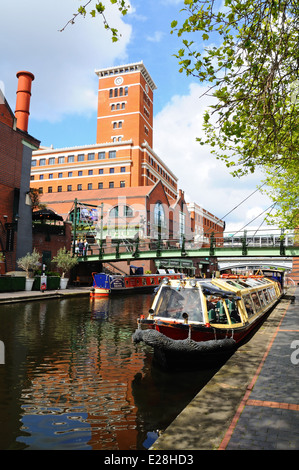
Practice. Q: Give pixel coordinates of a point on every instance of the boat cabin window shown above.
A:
(249, 305)
(173, 303)
(256, 302)
(217, 313)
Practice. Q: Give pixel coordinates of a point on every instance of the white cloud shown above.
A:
(156, 37)
(204, 179)
(63, 62)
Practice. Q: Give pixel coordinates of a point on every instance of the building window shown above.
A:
(59, 189)
(111, 93)
(101, 155)
(101, 171)
(80, 173)
(32, 177)
(41, 177)
(40, 190)
(79, 187)
(159, 215)
(112, 107)
(89, 186)
(49, 189)
(42, 162)
(112, 154)
(90, 156)
(60, 159)
(126, 91)
(90, 172)
(114, 212)
(120, 124)
(80, 157)
(70, 174)
(33, 163)
(69, 187)
(114, 125)
(121, 92)
(122, 184)
(71, 159)
(111, 170)
(50, 176)
(100, 185)
(51, 161)
(111, 184)
(128, 211)
(123, 105)
(115, 92)
(122, 169)
(59, 175)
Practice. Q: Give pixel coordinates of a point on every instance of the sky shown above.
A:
(63, 110)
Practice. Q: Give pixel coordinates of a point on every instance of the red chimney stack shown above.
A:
(23, 99)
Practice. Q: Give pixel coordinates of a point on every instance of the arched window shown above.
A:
(114, 212)
(159, 215)
(121, 211)
(128, 211)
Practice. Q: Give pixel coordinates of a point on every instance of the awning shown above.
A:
(46, 214)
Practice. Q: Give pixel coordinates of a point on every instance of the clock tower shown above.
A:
(125, 105)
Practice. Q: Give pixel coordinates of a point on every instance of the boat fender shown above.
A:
(157, 340)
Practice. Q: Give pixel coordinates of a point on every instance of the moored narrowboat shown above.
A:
(201, 317)
(107, 284)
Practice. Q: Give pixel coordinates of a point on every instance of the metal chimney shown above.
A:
(23, 99)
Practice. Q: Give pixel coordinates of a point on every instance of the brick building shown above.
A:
(123, 155)
(16, 147)
(120, 166)
(204, 224)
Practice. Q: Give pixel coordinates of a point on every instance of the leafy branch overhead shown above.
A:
(247, 52)
(98, 8)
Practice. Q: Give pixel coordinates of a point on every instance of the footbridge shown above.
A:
(170, 249)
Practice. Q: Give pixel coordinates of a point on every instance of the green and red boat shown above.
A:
(194, 318)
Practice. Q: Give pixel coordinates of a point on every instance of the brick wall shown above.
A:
(48, 244)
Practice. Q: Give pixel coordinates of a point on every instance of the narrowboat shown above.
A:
(196, 318)
(107, 284)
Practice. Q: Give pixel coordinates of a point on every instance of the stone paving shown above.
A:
(270, 418)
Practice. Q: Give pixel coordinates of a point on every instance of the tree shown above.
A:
(253, 78)
(64, 260)
(34, 195)
(29, 262)
(95, 8)
(284, 192)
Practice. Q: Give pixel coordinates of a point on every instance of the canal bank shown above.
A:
(253, 401)
(26, 296)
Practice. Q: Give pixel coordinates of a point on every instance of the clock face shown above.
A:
(118, 81)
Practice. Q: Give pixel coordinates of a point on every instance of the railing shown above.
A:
(182, 247)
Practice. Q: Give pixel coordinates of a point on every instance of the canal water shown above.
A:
(73, 379)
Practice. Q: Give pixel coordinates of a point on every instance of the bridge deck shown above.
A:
(122, 252)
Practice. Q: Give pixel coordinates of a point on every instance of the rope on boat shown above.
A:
(157, 340)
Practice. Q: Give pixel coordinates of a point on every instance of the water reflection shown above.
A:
(73, 379)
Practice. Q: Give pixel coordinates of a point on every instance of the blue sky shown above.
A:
(64, 92)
